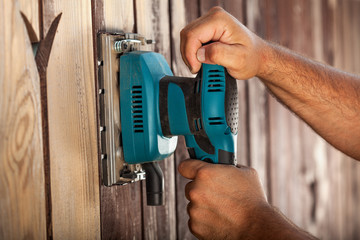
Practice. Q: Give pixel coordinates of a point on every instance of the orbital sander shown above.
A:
(156, 107)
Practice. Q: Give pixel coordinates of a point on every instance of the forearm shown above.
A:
(272, 224)
(326, 98)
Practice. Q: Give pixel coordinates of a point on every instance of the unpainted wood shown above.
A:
(22, 194)
(153, 21)
(31, 10)
(72, 122)
(121, 206)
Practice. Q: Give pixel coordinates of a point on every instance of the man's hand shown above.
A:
(324, 97)
(231, 45)
(227, 202)
(222, 199)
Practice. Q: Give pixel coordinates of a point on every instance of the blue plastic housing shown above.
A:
(213, 115)
(143, 141)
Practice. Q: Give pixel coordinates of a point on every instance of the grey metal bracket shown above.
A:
(113, 167)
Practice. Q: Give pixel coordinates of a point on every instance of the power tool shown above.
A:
(156, 107)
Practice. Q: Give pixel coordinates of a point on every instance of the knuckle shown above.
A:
(216, 10)
(183, 32)
(194, 195)
(188, 33)
(203, 173)
(181, 167)
(215, 54)
(253, 171)
(192, 212)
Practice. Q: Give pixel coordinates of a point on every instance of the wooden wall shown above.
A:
(312, 183)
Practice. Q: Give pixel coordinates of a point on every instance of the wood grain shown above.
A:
(182, 12)
(324, 179)
(22, 201)
(121, 206)
(292, 142)
(72, 122)
(153, 21)
(258, 107)
(31, 10)
(346, 57)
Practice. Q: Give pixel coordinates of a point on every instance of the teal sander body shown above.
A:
(156, 107)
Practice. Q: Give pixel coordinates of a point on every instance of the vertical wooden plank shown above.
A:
(324, 179)
(31, 10)
(22, 194)
(346, 57)
(258, 105)
(121, 206)
(153, 21)
(182, 13)
(192, 12)
(72, 122)
(292, 142)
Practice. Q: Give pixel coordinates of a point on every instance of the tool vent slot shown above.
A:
(216, 87)
(216, 81)
(137, 108)
(216, 120)
(197, 124)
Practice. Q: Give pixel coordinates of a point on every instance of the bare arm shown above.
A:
(325, 98)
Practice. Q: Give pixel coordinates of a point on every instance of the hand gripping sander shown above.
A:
(156, 107)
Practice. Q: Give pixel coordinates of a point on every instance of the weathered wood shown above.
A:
(72, 122)
(192, 8)
(292, 142)
(346, 57)
(182, 12)
(312, 182)
(22, 201)
(121, 208)
(258, 107)
(152, 21)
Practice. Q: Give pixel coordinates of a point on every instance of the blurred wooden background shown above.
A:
(313, 184)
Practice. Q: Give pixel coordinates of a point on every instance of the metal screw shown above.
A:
(117, 46)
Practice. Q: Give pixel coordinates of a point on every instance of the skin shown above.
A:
(228, 202)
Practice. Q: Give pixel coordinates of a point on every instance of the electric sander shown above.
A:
(156, 107)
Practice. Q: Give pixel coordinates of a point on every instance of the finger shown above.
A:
(188, 187)
(229, 56)
(192, 37)
(189, 168)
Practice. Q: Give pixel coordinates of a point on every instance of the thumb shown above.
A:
(189, 167)
(219, 53)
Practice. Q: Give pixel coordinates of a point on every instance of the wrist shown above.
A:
(268, 58)
(269, 223)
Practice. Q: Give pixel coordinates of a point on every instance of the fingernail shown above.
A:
(201, 54)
